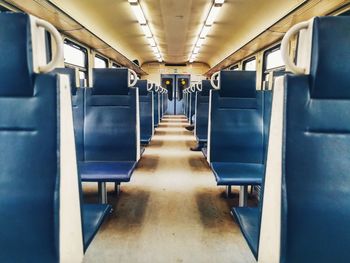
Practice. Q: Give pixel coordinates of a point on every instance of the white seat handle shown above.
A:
(284, 46)
(193, 87)
(199, 87)
(132, 83)
(150, 86)
(56, 58)
(213, 78)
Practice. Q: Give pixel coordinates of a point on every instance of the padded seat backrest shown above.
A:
(32, 172)
(142, 84)
(78, 110)
(110, 127)
(239, 119)
(316, 178)
(202, 110)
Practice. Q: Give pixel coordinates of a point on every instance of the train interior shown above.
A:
(175, 131)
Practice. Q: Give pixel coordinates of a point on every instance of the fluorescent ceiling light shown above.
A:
(155, 50)
(133, 1)
(160, 60)
(204, 32)
(146, 30)
(152, 42)
(196, 50)
(214, 11)
(136, 8)
(200, 42)
(220, 2)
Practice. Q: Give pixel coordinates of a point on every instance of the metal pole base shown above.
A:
(102, 192)
(228, 191)
(243, 195)
(117, 188)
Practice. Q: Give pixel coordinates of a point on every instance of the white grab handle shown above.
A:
(132, 83)
(193, 87)
(199, 87)
(213, 78)
(284, 46)
(56, 58)
(150, 86)
(156, 89)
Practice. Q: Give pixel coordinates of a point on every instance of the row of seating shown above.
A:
(295, 146)
(42, 215)
(55, 135)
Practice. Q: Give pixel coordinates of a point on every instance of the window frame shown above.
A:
(245, 62)
(104, 59)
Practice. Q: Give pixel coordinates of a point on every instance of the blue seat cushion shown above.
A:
(93, 216)
(248, 219)
(106, 171)
(227, 173)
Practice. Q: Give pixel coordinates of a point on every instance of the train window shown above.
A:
(250, 64)
(273, 66)
(346, 13)
(75, 56)
(234, 67)
(273, 59)
(100, 62)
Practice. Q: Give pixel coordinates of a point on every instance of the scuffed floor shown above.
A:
(171, 211)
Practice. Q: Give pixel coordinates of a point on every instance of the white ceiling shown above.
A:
(176, 25)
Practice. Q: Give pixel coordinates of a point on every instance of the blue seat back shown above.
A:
(156, 108)
(146, 110)
(110, 126)
(240, 118)
(202, 111)
(29, 174)
(78, 111)
(316, 178)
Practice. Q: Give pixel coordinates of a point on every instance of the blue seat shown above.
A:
(248, 219)
(316, 145)
(156, 107)
(36, 156)
(111, 147)
(146, 112)
(240, 118)
(202, 112)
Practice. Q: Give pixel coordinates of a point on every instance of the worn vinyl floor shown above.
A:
(171, 211)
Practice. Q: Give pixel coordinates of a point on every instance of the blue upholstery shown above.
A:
(156, 108)
(78, 111)
(202, 112)
(248, 219)
(18, 57)
(146, 111)
(316, 146)
(109, 129)
(229, 173)
(111, 81)
(193, 106)
(106, 171)
(239, 129)
(93, 217)
(29, 196)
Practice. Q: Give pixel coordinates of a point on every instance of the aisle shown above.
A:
(171, 211)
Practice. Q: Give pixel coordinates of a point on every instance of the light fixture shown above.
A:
(151, 42)
(209, 21)
(204, 31)
(136, 8)
(146, 30)
(200, 42)
(214, 11)
(155, 50)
